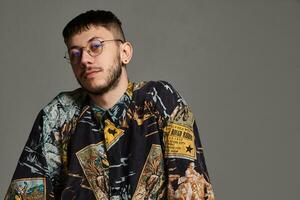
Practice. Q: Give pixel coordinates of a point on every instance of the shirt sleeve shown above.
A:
(187, 175)
(31, 179)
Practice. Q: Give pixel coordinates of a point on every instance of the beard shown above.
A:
(111, 81)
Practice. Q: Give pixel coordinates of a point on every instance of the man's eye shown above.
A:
(75, 53)
(95, 45)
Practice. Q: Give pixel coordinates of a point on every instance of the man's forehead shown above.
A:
(85, 35)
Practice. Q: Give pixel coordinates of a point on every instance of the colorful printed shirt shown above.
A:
(146, 146)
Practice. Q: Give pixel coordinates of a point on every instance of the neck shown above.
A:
(111, 97)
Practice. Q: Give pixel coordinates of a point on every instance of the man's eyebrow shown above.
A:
(95, 38)
(74, 47)
(78, 47)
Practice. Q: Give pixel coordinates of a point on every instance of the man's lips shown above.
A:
(90, 73)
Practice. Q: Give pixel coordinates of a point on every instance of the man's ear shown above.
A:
(126, 52)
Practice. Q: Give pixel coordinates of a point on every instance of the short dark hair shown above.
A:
(94, 18)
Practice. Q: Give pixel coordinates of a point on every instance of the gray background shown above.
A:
(235, 62)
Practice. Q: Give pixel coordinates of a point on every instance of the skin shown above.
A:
(104, 77)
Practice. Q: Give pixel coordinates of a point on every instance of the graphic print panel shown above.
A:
(94, 164)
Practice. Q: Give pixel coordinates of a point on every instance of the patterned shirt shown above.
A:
(146, 146)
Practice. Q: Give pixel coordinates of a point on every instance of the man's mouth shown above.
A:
(91, 73)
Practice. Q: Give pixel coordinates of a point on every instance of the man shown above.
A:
(111, 138)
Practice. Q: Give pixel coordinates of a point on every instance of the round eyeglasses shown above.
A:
(93, 48)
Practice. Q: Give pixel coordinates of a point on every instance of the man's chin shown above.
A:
(96, 91)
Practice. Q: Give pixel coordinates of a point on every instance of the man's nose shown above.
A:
(86, 58)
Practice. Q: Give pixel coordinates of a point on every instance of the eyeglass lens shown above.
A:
(94, 48)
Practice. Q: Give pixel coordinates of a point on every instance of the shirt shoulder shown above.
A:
(165, 97)
(68, 99)
(64, 107)
(155, 87)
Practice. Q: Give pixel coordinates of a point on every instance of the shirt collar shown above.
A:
(118, 112)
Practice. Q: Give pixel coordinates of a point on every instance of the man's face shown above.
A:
(101, 73)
